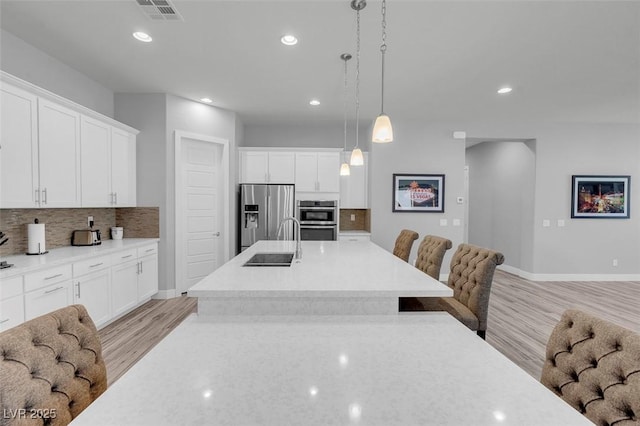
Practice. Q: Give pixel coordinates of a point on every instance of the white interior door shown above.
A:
(201, 200)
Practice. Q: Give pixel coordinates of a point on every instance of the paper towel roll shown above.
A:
(35, 236)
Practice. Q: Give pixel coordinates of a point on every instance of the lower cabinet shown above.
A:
(124, 286)
(11, 312)
(354, 237)
(148, 277)
(47, 299)
(93, 291)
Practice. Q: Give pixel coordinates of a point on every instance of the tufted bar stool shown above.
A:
(51, 367)
(430, 255)
(470, 277)
(594, 365)
(404, 242)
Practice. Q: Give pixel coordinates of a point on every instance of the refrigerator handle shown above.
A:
(267, 202)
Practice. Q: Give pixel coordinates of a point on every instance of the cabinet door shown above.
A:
(92, 291)
(124, 287)
(123, 168)
(306, 171)
(328, 172)
(95, 163)
(19, 150)
(11, 312)
(354, 188)
(148, 277)
(282, 167)
(254, 167)
(59, 155)
(45, 300)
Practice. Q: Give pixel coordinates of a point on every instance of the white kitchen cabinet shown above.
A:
(47, 299)
(148, 272)
(19, 148)
(92, 287)
(58, 155)
(267, 167)
(95, 163)
(107, 164)
(123, 168)
(355, 237)
(11, 303)
(317, 172)
(354, 188)
(124, 286)
(11, 312)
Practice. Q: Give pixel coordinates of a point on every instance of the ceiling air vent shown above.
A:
(159, 10)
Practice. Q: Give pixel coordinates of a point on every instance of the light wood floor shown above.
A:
(522, 314)
(129, 338)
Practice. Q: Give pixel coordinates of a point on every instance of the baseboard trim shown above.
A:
(165, 294)
(568, 277)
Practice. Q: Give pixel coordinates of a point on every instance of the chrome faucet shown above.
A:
(297, 222)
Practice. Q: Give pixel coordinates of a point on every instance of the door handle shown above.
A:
(217, 234)
(78, 289)
(44, 196)
(37, 196)
(55, 289)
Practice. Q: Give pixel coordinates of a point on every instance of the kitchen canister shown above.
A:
(117, 232)
(35, 238)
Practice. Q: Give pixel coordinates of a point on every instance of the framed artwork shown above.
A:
(418, 193)
(600, 197)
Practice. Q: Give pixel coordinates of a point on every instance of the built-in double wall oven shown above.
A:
(318, 220)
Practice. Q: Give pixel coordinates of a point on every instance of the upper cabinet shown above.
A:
(108, 165)
(354, 188)
(55, 153)
(317, 171)
(18, 148)
(267, 166)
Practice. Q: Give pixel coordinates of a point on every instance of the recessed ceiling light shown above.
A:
(206, 100)
(314, 102)
(504, 90)
(289, 40)
(139, 35)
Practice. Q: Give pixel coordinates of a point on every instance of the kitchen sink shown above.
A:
(270, 259)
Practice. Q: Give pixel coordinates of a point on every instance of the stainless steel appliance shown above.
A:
(318, 220)
(262, 208)
(86, 237)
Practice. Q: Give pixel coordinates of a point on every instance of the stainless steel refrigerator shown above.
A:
(262, 208)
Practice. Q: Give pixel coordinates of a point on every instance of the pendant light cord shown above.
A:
(345, 57)
(357, 75)
(383, 49)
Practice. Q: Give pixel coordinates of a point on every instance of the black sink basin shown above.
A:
(270, 259)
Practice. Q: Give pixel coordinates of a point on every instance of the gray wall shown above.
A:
(424, 149)
(501, 199)
(28, 63)
(147, 113)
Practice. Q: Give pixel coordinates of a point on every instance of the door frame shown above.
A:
(179, 135)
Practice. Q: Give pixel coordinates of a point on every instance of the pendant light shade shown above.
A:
(382, 130)
(344, 169)
(356, 157)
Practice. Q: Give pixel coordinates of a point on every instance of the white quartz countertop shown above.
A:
(25, 263)
(409, 369)
(327, 269)
(354, 232)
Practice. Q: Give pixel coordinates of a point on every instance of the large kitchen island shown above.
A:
(332, 278)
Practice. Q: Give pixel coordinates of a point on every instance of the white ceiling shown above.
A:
(566, 60)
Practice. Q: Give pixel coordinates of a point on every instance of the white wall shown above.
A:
(419, 148)
(28, 63)
(501, 199)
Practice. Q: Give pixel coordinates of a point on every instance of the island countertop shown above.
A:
(327, 269)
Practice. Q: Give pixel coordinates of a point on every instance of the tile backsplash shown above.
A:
(362, 220)
(142, 222)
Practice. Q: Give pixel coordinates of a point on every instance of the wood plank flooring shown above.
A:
(522, 314)
(129, 338)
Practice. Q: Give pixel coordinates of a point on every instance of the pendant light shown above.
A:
(382, 130)
(356, 155)
(344, 168)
